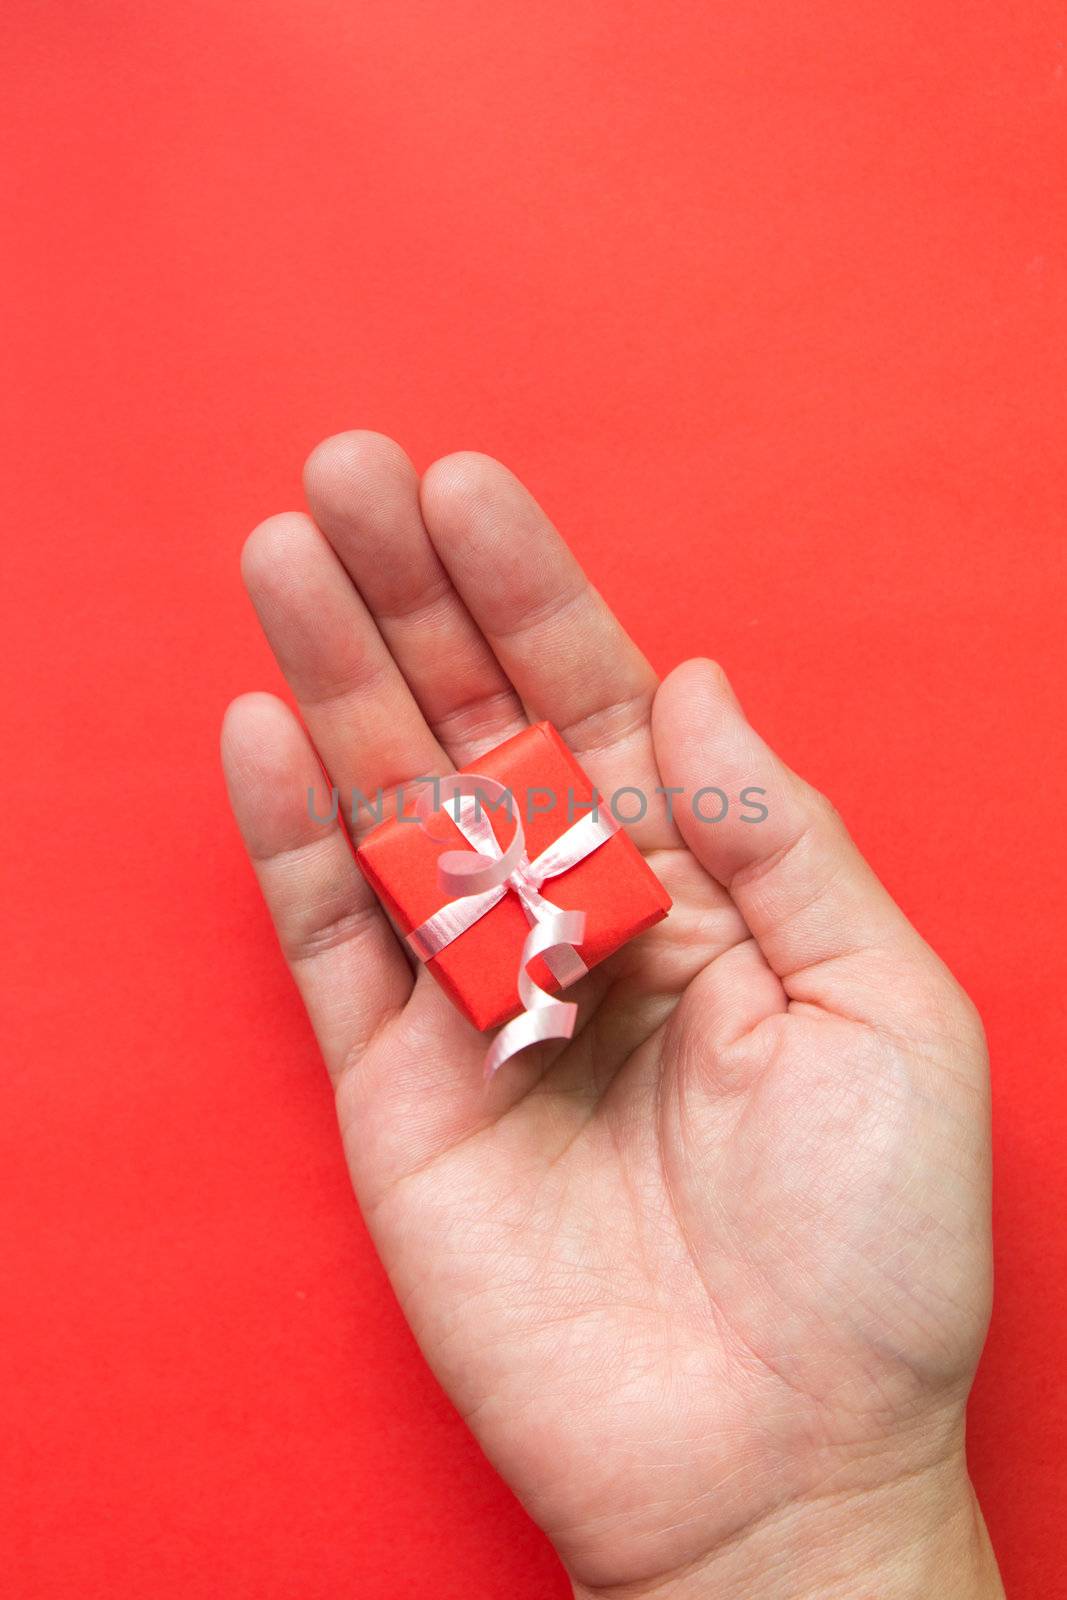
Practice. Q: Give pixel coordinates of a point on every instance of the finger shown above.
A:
(364, 494)
(358, 709)
(552, 633)
(405, 1063)
(824, 922)
(344, 956)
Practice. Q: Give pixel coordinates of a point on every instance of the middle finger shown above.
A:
(364, 494)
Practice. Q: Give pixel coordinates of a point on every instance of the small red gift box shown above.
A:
(479, 969)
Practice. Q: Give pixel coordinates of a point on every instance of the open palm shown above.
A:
(722, 1257)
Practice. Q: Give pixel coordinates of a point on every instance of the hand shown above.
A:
(709, 1283)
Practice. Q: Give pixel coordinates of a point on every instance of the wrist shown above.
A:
(919, 1535)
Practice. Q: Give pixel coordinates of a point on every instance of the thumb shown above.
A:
(825, 924)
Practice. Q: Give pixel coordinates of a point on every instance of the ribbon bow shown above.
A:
(476, 880)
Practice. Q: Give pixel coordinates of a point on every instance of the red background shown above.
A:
(765, 301)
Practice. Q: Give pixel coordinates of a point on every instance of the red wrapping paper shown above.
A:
(479, 970)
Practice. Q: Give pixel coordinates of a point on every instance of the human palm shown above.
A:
(721, 1258)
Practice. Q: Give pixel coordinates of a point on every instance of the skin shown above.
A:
(710, 1282)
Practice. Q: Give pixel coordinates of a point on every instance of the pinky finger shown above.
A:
(344, 956)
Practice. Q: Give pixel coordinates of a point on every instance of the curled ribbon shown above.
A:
(476, 880)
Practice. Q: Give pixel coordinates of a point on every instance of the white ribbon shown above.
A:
(478, 880)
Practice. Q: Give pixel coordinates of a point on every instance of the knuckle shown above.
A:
(315, 936)
(820, 806)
